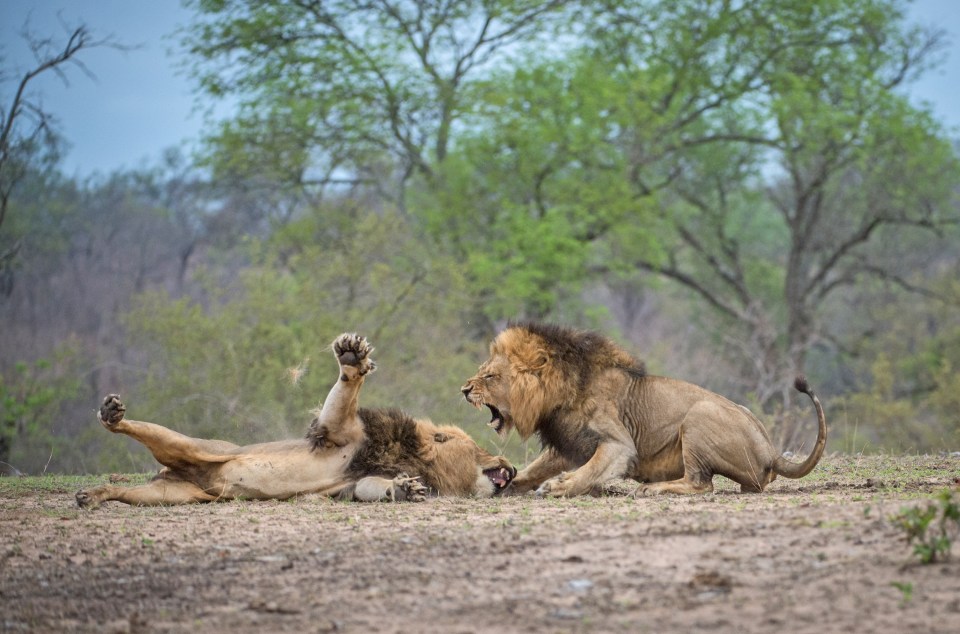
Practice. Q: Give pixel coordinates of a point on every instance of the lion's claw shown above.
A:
(317, 435)
(353, 353)
(111, 411)
(409, 489)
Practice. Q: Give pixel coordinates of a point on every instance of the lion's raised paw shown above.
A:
(353, 352)
(111, 411)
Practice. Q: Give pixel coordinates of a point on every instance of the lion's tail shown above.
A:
(797, 470)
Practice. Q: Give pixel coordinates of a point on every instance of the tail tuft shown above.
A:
(790, 469)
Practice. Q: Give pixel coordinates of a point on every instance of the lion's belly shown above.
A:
(663, 465)
(282, 470)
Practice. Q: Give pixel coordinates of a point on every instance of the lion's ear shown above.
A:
(540, 359)
(440, 437)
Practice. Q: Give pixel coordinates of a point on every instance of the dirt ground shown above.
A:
(818, 554)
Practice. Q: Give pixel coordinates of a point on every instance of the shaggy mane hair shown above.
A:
(392, 446)
(554, 366)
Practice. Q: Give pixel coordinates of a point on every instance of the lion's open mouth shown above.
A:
(496, 419)
(500, 476)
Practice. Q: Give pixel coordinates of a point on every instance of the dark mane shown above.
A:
(391, 447)
(580, 352)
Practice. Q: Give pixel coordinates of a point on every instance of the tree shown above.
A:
(343, 93)
(28, 136)
(857, 160)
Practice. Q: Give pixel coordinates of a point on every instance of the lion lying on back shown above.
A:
(600, 417)
(353, 453)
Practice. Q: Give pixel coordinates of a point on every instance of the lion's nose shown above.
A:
(466, 390)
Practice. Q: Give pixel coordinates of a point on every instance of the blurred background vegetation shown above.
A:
(736, 191)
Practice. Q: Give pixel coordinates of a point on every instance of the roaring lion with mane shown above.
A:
(350, 452)
(600, 417)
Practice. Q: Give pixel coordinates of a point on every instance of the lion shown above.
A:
(350, 452)
(601, 417)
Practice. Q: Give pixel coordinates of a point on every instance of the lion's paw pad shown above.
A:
(112, 410)
(354, 350)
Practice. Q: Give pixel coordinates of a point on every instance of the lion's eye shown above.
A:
(489, 377)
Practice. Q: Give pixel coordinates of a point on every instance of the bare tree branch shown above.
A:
(18, 147)
(691, 282)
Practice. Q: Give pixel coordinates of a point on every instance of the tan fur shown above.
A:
(367, 455)
(600, 417)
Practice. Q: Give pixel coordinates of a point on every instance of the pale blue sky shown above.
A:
(140, 105)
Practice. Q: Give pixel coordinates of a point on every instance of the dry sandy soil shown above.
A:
(814, 555)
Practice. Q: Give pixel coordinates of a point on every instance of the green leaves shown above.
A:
(367, 84)
(931, 527)
(31, 396)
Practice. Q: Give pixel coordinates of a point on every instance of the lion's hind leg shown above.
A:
(159, 492)
(682, 486)
(697, 473)
(170, 448)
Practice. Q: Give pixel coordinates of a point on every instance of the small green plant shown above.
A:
(931, 528)
(906, 591)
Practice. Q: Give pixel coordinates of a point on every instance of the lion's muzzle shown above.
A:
(500, 477)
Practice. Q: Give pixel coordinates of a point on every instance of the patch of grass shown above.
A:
(906, 591)
(931, 527)
(56, 483)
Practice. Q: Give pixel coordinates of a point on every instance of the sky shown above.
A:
(140, 103)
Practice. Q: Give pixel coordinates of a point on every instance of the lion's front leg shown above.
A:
(402, 488)
(611, 460)
(547, 465)
(337, 423)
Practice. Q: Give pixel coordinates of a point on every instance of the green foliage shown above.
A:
(906, 395)
(891, 416)
(31, 398)
(906, 591)
(337, 89)
(931, 528)
(640, 139)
